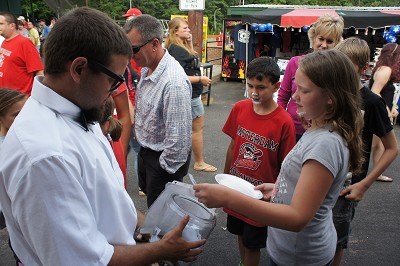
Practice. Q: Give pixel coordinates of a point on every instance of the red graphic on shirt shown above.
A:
(249, 156)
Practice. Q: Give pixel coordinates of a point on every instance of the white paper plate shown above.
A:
(238, 184)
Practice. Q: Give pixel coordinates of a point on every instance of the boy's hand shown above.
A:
(266, 189)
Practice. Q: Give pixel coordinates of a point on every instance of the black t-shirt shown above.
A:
(376, 122)
(190, 64)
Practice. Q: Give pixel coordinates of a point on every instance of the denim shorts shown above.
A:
(343, 214)
(253, 237)
(197, 107)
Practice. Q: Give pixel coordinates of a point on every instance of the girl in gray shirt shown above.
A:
(299, 214)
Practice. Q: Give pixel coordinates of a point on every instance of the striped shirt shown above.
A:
(163, 120)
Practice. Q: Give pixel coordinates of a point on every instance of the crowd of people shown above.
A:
(64, 159)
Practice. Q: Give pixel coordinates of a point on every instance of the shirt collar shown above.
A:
(56, 102)
(159, 71)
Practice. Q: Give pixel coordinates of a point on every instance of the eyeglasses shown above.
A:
(136, 49)
(100, 67)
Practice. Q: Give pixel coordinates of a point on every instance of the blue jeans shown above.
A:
(134, 144)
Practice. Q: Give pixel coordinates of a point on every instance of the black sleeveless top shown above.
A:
(387, 92)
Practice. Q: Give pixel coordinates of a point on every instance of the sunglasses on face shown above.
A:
(136, 49)
(118, 79)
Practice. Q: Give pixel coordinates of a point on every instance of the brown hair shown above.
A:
(84, 32)
(114, 125)
(357, 50)
(390, 57)
(8, 97)
(334, 73)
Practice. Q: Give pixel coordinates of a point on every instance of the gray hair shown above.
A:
(148, 26)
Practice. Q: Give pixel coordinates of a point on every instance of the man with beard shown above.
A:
(61, 188)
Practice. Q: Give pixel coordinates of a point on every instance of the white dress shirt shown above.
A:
(61, 188)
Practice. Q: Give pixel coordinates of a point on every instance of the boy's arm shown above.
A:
(356, 191)
(229, 156)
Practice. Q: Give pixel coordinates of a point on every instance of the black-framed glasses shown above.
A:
(100, 67)
(136, 49)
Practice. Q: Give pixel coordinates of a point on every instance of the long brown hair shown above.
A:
(173, 27)
(390, 57)
(334, 73)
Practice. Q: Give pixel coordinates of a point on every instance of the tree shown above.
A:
(34, 10)
(163, 9)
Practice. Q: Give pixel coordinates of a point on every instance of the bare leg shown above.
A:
(198, 146)
(197, 139)
(251, 257)
(338, 256)
(241, 248)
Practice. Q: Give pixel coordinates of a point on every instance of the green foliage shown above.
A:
(163, 9)
(36, 9)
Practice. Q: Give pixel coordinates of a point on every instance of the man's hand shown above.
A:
(177, 248)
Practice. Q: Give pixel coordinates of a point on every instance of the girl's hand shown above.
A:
(205, 81)
(266, 189)
(212, 195)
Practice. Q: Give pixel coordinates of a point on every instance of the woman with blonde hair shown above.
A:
(179, 45)
(323, 34)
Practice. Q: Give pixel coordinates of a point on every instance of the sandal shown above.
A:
(383, 178)
(204, 167)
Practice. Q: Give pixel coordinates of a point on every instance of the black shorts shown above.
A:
(253, 237)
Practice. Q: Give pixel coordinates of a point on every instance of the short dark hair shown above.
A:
(84, 32)
(42, 20)
(10, 18)
(263, 67)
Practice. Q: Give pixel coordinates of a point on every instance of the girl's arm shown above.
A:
(313, 185)
(122, 106)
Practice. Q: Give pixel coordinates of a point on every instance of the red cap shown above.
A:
(132, 12)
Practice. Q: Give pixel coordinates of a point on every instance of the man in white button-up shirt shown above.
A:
(163, 117)
(61, 188)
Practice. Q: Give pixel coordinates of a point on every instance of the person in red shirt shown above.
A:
(19, 58)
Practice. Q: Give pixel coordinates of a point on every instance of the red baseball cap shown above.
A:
(132, 12)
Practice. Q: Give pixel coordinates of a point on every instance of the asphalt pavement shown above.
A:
(375, 239)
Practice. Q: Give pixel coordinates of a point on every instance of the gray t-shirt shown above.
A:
(2, 139)
(316, 243)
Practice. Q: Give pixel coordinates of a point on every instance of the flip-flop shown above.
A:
(383, 178)
(205, 167)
